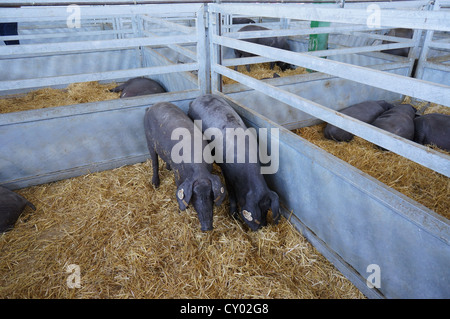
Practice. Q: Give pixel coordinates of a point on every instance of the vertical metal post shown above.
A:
(414, 52)
(426, 45)
(203, 52)
(137, 32)
(318, 42)
(284, 23)
(228, 21)
(216, 78)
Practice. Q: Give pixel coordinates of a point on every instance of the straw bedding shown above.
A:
(131, 241)
(262, 70)
(75, 93)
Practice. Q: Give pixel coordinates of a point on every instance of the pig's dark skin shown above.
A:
(247, 190)
(138, 86)
(433, 129)
(195, 182)
(398, 120)
(275, 42)
(11, 207)
(402, 33)
(242, 21)
(366, 112)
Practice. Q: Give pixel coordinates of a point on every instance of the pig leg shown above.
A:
(154, 157)
(233, 202)
(155, 178)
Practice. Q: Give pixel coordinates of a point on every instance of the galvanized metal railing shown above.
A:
(125, 30)
(392, 15)
(437, 44)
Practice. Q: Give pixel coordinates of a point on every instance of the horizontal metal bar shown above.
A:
(425, 156)
(102, 2)
(66, 47)
(110, 75)
(429, 91)
(244, 61)
(177, 48)
(378, 36)
(427, 20)
(36, 36)
(383, 4)
(440, 59)
(170, 25)
(27, 13)
(259, 59)
(440, 45)
(378, 55)
(369, 48)
(93, 107)
(294, 32)
(436, 66)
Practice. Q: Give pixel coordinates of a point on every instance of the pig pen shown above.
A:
(360, 216)
(353, 220)
(83, 162)
(111, 45)
(131, 241)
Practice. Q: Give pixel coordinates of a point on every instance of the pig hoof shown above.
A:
(155, 183)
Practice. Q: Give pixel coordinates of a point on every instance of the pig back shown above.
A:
(167, 125)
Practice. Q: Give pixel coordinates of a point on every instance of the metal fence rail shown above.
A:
(439, 44)
(114, 28)
(423, 19)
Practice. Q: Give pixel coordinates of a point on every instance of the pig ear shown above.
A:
(184, 193)
(274, 206)
(218, 190)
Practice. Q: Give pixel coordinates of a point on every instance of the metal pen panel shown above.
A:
(429, 91)
(397, 18)
(356, 221)
(418, 153)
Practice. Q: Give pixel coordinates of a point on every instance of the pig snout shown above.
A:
(202, 200)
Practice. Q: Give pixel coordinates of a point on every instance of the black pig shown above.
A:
(195, 182)
(366, 112)
(247, 189)
(139, 86)
(11, 206)
(275, 42)
(402, 33)
(398, 120)
(433, 129)
(242, 21)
